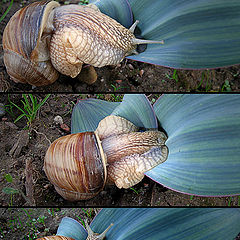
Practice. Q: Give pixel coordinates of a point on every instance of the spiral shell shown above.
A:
(75, 164)
(25, 45)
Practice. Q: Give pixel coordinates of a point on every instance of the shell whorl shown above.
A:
(21, 39)
(75, 164)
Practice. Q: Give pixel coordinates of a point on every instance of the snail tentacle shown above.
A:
(136, 41)
(96, 236)
(132, 28)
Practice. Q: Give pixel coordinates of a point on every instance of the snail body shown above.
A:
(125, 154)
(44, 39)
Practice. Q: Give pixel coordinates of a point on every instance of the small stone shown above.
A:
(46, 186)
(58, 120)
(65, 127)
(4, 119)
(141, 72)
(130, 66)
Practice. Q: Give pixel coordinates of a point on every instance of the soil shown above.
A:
(128, 76)
(22, 156)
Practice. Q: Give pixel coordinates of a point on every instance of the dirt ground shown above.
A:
(22, 156)
(127, 76)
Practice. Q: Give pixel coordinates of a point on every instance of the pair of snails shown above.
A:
(44, 39)
(79, 165)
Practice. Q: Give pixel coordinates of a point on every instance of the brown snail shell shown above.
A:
(45, 38)
(24, 40)
(125, 153)
(75, 165)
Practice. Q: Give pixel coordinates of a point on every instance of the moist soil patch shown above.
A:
(22, 156)
(129, 76)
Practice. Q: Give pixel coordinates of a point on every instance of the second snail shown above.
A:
(79, 165)
(44, 39)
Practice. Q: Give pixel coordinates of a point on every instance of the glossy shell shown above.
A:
(75, 165)
(24, 47)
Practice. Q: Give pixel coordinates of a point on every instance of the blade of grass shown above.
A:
(19, 117)
(34, 102)
(43, 101)
(28, 108)
(20, 109)
(6, 12)
(38, 106)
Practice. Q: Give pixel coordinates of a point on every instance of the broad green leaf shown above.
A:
(119, 10)
(9, 190)
(8, 177)
(204, 144)
(71, 228)
(88, 113)
(170, 224)
(137, 109)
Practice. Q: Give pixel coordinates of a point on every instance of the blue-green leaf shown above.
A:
(119, 10)
(197, 33)
(203, 141)
(88, 113)
(71, 228)
(137, 109)
(170, 224)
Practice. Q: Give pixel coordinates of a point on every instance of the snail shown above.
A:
(91, 235)
(44, 39)
(79, 165)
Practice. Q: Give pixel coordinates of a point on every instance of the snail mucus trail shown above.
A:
(79, 165)
(44, 39)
